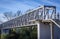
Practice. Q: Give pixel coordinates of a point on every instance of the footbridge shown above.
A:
(44, 17)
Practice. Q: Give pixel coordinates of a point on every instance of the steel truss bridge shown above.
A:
(43, 14)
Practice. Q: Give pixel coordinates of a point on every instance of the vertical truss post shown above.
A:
(38, 30)
(52, 30)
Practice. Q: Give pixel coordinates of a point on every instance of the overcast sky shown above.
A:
(23, 5)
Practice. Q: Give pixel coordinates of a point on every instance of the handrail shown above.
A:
(55, 23)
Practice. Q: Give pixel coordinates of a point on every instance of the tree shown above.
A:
(10, 15)
(23, 33)
(1, 21)
(19, 13)
(28, 10)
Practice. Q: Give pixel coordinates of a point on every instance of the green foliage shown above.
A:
(4, 36)
(22, 33)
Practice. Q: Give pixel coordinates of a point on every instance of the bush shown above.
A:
(4, 36)
(23, 33)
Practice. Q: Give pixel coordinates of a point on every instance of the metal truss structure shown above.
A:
(40, 13)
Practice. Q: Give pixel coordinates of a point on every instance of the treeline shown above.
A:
(22, 33)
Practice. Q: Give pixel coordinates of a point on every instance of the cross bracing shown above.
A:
(40, 13)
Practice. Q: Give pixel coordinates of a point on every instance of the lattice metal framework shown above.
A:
(41, 13)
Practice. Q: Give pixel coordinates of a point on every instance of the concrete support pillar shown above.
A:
(52, 30)
(38, 30)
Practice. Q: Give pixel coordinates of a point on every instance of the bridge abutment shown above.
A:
(45, 30)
